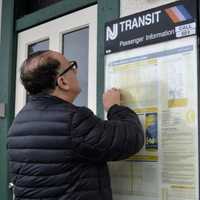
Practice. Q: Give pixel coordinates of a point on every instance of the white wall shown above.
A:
(134, 6)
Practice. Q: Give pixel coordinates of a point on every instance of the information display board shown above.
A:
(159, 82)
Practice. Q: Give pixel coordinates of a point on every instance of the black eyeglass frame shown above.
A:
(73, 63)
(71, 66)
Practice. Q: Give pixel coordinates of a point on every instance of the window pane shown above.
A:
(24, 7)
(75, 47)
(39, 46)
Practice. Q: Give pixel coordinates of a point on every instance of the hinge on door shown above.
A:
(2, 110)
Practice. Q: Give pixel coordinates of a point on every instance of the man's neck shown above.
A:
(67, 98)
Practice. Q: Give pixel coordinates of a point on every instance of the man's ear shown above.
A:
(63, 83)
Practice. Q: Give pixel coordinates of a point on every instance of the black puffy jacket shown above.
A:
(58, 151)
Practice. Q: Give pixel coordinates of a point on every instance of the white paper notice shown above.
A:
(159, 82)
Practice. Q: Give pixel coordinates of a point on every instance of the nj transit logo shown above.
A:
(111, 34)
(178, 14)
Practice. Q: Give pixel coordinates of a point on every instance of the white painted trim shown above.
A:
(53, 31)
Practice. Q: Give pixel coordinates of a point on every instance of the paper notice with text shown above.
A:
(159, 82)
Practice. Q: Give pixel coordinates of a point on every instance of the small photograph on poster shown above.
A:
(151, 124)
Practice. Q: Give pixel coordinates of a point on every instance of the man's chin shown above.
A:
(79, 91)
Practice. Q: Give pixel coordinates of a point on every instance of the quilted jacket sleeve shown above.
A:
(106, 140)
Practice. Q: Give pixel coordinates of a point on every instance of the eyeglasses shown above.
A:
(72, 66)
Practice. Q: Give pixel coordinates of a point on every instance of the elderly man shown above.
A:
(58, 151)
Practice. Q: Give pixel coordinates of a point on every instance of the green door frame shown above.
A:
(107, 10)
(7, 84)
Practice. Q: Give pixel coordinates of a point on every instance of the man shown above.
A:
(58, 151)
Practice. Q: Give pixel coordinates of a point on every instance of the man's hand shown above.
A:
(111, 97)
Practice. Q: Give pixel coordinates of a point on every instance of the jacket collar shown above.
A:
(47, 98)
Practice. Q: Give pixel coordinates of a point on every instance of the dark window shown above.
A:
(38, 46)
(24, 7)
